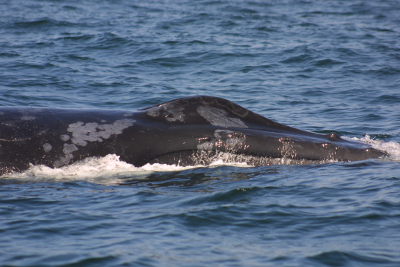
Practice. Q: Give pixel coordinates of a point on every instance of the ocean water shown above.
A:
(321, 66)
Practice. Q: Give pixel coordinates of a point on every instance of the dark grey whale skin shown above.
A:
(180, 132)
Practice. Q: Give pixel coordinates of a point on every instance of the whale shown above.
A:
(195, 130)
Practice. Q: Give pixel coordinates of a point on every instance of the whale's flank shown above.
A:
(191, 130)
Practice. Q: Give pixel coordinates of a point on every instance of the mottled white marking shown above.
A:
(47, 147)
(170, 111)
(224, 139)
(82, 133)
(219, 117)
(220, 133)
(153, 112)
(231, 140)
(175, 114)
(28, 118)
(205, 146)
(63, 160)
(93, 132)
(69, 148)
(65, 137)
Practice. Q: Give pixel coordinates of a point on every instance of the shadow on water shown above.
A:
(198, 176)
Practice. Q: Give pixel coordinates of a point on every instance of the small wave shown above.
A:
(341, 258)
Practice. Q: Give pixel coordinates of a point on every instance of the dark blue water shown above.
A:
(320, 66)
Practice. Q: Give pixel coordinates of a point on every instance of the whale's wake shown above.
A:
(110, 170)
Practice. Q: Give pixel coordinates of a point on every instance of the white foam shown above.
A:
(103, 170)
(391, 148)
(106, 170)
(221, 162)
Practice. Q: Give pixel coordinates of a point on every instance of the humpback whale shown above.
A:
(185, 131)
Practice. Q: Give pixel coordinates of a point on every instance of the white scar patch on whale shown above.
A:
(93, 132)
(219, 117)
(47, 147)
(65, 137)
(68, 149)
(170, 111)
(82, 133)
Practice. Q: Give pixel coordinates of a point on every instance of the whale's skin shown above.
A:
(186, 131)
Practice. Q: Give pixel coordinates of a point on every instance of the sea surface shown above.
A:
(321, 66)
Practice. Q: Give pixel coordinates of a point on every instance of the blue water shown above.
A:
(321, 66)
